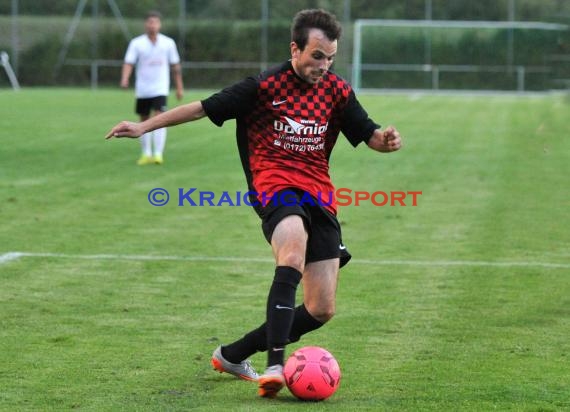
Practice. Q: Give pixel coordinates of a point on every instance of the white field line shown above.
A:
(7, 257)
(10, 256)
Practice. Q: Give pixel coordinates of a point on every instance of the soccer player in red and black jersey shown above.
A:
(288, 121)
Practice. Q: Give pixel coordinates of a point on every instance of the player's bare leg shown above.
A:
(320, 280)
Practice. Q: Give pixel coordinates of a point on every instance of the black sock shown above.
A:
(280, 312)
(256, 340)
(241, 349)
(303, 323)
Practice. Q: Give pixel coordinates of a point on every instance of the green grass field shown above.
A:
(461, 303)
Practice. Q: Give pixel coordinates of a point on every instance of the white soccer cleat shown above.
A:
(271, 382)
(242, 370)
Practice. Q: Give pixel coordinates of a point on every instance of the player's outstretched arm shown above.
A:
(385, 141)
(181, 114)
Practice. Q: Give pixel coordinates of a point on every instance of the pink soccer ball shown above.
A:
(312, 373)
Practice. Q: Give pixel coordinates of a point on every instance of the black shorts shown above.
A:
(325, 239)
(144, 106)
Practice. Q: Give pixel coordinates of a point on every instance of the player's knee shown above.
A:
(294, 260)
(325, 316)
(322, 313)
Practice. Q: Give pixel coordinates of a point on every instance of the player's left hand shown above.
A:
(386, 141)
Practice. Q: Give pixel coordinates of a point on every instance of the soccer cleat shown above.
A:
(157, 159)
(145, 160)
(271, 382)
(242, 370)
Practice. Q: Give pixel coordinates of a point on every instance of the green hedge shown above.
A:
(457, 46)
(217, 41)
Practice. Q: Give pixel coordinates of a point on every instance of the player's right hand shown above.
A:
(125, 129)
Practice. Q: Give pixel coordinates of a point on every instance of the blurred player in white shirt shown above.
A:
(154, 55)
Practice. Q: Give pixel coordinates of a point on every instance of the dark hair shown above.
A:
(153, 13)
(314, 19)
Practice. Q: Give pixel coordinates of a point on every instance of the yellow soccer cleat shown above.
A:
(145, 160)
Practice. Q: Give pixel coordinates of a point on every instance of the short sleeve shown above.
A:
(173, 56)
(131, 54)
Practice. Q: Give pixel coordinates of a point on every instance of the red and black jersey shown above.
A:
(287, 128)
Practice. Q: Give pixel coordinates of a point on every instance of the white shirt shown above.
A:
(152, 62)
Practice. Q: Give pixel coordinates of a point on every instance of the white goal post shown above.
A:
(5, 62)
(358, 66)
